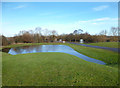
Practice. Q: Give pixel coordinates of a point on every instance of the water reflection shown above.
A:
(51, 48)
(6, 50)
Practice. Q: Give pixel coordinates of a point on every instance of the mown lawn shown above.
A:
(28, 44)
(55, 69)
(0, 68)
(60, 69)
(109, 57)
(106, 44)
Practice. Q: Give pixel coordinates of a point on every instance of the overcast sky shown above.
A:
(64, 17)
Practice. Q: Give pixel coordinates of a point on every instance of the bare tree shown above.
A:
(103, 32)
(102, 36)
(38, 30)
(114, 31)
(46, 32)
(118, 31)
(79, 31)
(54, 34)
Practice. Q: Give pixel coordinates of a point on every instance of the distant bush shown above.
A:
(4, 40)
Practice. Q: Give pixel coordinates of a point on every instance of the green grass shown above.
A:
(60, 69)
(28, 44)
(109, 57)
(55, 69)
(0, 68)
(105, 44)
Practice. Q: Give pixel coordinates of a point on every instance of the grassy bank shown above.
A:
(109, 57)
(0, 68)
(60, 69)
(105, 44)
(55, 69)
(28, 44)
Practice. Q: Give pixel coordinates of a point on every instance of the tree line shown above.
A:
(40, 35)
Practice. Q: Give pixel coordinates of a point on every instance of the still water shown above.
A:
(51, 48)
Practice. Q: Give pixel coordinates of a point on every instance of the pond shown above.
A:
(50, 48)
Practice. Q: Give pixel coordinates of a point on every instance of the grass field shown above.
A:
(0, 68)
(55, 69)
(105, 44)
(60, 69)
(109, 57)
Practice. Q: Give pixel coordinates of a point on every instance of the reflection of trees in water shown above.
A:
(6, 50)
(36, 48)
(48, 48)
(32, 49)
(27, 49)
(18, 50)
